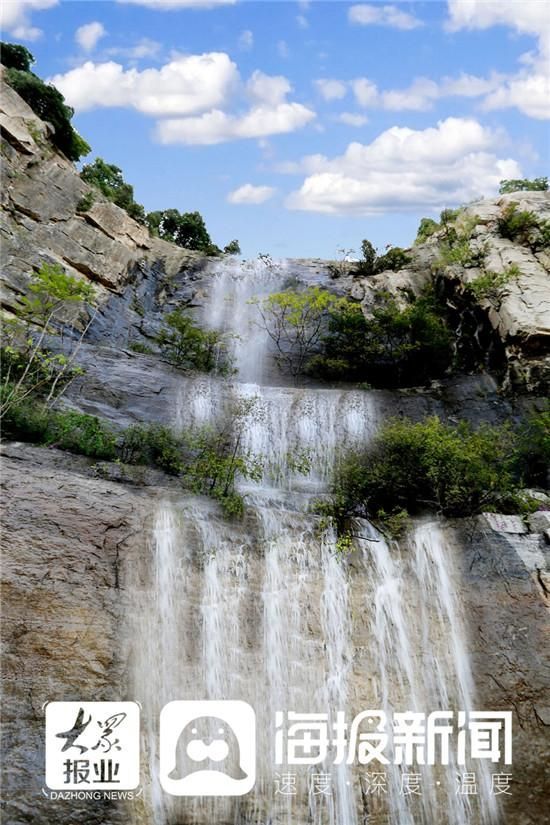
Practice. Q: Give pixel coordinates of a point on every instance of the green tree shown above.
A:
(232, 248)
(15, 56)
(187, 229)
(108, 179)
(30, 369)
(49, 105)
(187, 346)
(426, 229)
(523, 185)
(295, 322)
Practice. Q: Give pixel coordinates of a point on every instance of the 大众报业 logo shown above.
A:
(207, 748)
(92, 745)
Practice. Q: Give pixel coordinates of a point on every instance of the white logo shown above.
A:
(92, 746)
(207, 748)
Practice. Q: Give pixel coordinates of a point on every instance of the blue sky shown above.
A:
(297, 127)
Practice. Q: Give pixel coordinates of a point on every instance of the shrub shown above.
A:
(66, 430)
(138, 346)
(108, 179)
(392, 347)
(533, 452)
(523, 185)
(49, 105)
(523, 227)
(394, 259)
(187, 346)
(454, 470)
(85, 203)
(154, 445)
(232, 248)
(492, 286)
(426, 229)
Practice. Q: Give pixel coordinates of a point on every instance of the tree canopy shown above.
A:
(108, 179)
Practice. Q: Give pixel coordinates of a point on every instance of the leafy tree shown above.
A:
(187, 346)
(391, 347)
(523, 185)
(187, 229)
(232, 248)
(454, 470)
(30, 369)
(493, 286)
(295, 322)
(372, 263)
(15, 56)
(108, 179)
(49, 105)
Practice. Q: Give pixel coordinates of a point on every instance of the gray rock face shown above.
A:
(75, 545)
(40, 219)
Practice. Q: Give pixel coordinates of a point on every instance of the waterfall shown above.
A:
(267, 611)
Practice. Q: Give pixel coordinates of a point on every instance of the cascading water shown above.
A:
(265, 610)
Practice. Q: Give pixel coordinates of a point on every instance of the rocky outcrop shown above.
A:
(41, 198)
(519, 317)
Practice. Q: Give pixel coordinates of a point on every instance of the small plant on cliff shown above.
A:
(187, 346)
(29, 367)
(426, 229)
(395, 258)
(493, 286)
(108, 179)
(187, 230)
(524, 227)
(232, 248)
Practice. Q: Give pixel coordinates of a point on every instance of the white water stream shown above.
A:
(266, 611)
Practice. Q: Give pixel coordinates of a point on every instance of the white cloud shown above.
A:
(405, 169)
(174, 5)
(352, 119)
(530, 16)
(530, 93)
(366, 92)
(246, 40)
(331, 89)
(15, 17)
(302, 21)
(217, 126)
(271, 89)
(251, 194)
(184, 86)
(529, 89)
(369, 15)
(87, 36)
(143, 48)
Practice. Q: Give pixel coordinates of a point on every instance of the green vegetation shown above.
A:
(185, 345)
(295, 322)
(30, 369)
(67, 430)
(45, 100)
(426, 229)
(524, 227)
(493, 286)
(15, 56)
(320, 334)
(395, 258)
(85, 203)
(187, 230)
(523, 185)
(138, 346)
(108, 179)
(453, 470)
(232, 248)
